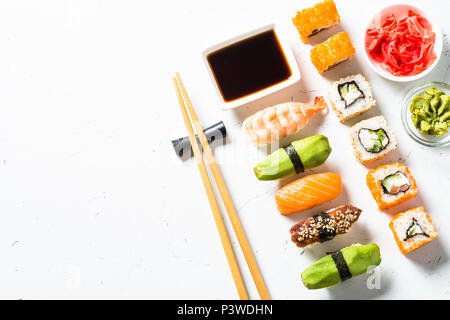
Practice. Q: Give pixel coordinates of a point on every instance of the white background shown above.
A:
(95, 204)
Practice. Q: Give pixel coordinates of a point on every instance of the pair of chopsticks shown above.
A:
(184, 101)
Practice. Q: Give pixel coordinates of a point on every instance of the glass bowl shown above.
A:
(411, 130)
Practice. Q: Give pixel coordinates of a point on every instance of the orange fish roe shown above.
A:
(385, 200)
(412, 229)
(311, 21)
(335, 50)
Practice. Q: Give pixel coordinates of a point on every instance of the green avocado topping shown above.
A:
(325, 273)
(312, 151)
(430, 113)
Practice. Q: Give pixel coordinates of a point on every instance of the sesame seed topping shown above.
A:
(338, 222)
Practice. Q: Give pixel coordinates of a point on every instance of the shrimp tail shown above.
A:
(320, 102)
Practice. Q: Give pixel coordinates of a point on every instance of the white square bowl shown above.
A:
(292, 63)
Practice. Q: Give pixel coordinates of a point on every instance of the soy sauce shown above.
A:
(249, 66)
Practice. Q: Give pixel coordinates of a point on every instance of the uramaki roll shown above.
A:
(391, 184)
(330, 53)
(311, 21)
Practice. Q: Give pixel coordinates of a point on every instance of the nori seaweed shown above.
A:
(341, 265)
(295, 158)
(324, 233)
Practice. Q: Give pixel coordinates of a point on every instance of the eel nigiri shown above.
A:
(280, 121)
(324, 226)
(308, 192)
(299, 155)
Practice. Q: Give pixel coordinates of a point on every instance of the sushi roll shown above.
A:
(308, 192)
(279, 121)
(341, 265)
(299, 155)
(391, 184)
(412, 229)
(350, 97)
(372, 139)
(311, 21)
(330, 53)
(324, 226)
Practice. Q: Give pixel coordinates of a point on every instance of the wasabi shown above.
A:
(430, 113)
(301, 154)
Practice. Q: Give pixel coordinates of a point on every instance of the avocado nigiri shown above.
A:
(301, 154)
(341, 265)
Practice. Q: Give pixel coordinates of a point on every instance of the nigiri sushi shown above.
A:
(324, 226)
(308, 192)
(280, 121)
(299, 155)
(341, 265)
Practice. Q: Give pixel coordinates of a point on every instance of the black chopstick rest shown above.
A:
(214, 134)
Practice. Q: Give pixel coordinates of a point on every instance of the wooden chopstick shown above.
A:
(232, 214)
(234, 267)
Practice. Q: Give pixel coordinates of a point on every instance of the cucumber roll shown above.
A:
(372, 139)
(301, 154)
(341, 265)
(350, 97)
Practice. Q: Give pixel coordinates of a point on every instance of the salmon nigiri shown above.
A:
(308, 192)
(280, 121)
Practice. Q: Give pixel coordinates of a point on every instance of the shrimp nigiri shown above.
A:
(280, 121)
